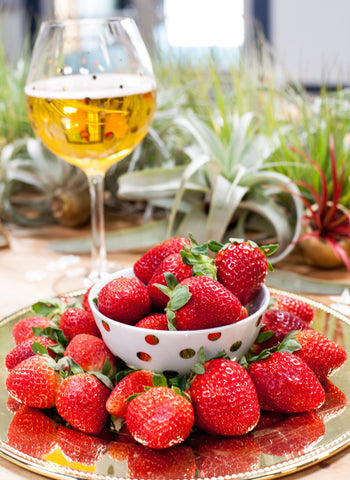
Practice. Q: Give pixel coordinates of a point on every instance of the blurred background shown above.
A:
(311, 37)
(238, 83)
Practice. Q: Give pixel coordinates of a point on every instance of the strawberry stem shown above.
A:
(289, 344)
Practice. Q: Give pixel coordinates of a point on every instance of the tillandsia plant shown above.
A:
(218, 193)
(38, 188)
(325, 219)
(307, 124)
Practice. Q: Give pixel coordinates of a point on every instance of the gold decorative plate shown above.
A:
(281, 445)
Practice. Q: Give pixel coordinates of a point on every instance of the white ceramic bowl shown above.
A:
(132, 344)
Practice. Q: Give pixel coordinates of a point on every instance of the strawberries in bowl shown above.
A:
(202, 313)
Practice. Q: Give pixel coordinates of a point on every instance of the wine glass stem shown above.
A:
(98, 242)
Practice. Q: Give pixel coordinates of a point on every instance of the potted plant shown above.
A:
(325, 239)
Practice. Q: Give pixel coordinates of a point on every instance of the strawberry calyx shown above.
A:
(197, 256)
(55, 334)
(289, 344)
(178, 295)
(54, 307)
(159, 380)
(66, 366)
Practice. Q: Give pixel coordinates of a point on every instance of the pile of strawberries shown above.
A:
(61, 366)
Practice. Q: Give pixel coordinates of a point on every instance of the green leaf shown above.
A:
(53, 333)
(179, 381)
(215, 246)
(39, 349)
(103, 378)
(58, 349)
(122, 374)
(163, 288)
(47, 308)
(179, 297)
(269, 249)
(264, 336)
(289, 344)
(131, 397)
(198, 368)
(171, 320)
(74, 367)
(171, 280)
(52, 364)
(159, 380)
(106, 369)
(201, 355)
(222, 354)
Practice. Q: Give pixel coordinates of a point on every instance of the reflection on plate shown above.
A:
(280, 444)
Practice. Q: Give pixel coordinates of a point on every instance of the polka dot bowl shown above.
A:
(176, 351)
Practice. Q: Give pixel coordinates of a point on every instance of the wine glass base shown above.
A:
(81, 278)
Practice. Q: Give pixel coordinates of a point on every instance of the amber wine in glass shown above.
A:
(90, 98)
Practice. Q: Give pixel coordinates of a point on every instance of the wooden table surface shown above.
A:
(28, 271)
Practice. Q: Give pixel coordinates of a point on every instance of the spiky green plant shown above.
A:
(38, 188)
(14, 123)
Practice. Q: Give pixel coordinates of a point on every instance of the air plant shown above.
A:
(325, 218)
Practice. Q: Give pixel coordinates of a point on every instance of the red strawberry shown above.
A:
(154, 321)
(85, 302)
(268, 420)
(23, 329)
(292, 437)
(176, 462)
(335, 402)
(124, 299)
(145, 266)
(34, 383)
(284, 383)
(224, 399)
(24, 350)
(301, 308)
(12, 405)
(160, 418)
(76, 320)
(323, 355)
(32, 433)
(80, 447)
(91, 353)
(205, 303)
(242, 268)
(173, 264)
(218, 457)
(281, 323)
(119, 451)
(81, 401)
(134, 382)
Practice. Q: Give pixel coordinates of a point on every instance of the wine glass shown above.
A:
(90, 98)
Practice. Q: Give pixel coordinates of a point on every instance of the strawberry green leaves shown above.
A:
(289, 344)
(53, 307)
(197, 256)
(178, 297)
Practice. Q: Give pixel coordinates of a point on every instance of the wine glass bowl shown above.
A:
(90, 98)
